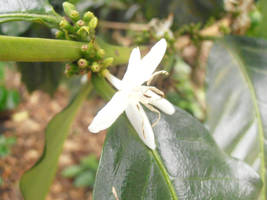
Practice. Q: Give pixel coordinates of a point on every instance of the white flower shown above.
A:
(131, 93)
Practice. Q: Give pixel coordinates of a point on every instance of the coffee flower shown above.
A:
(131, 94)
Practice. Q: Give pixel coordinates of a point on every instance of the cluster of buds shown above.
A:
(82, 28)
(76, 27)
(93, 60)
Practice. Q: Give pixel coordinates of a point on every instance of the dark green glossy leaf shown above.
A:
(29, 10)
(237, 99)
(44, 76)
(187, 164)
(185, 11)
(35, 183)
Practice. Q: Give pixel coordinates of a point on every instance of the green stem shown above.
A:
(23, 49)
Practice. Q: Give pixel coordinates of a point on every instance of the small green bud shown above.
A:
(71, 69)
(74, 15)
(83, 31)
(101, 53)
(95, 67)
(93, 23)
(88, 16)
(108, 61)
(60, 35)
(70, 11)
(82, 63)
(64, 24)
(255, 17)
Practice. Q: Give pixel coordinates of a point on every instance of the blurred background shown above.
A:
(32, 93)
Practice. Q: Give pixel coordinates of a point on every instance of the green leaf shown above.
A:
(29, 10)
(44, 76)
(187, 164)
(35, 183)
(85, 179)
(237, 99)
(185, 11)
(90, 162)
(12, 100)
(72, 171)
(3, 97)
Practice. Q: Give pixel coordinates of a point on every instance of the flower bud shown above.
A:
(70, 11)
(88, 16)
(108, 61)
(64, 24)
(100, 53)
(83, 31)
(60, 35)
(82, 63)
(71, 69)
(93, 23)
(95, 67)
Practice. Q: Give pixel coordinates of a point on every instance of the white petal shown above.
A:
(133, 68)
(160, 102)
(141, 124)
(117, 83)
(110, 112)
(139, 71)
(151, 60)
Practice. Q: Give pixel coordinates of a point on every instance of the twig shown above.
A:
(115, 193)
(211, 31)
(124, 26)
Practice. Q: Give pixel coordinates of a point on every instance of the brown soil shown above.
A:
(28, 123)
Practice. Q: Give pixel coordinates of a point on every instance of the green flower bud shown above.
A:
(65, 25)
(74, 15)
(93, 23)
(88, 16)
(82, 63)
(101, 53)
(83, 31)
(71, 69)
(60, 35)
(255, 17)
(70, 11)
(108, 61)
(95, 67)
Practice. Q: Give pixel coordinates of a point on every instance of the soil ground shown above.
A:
(28, 123)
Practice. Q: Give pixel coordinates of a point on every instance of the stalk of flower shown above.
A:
(131, 94)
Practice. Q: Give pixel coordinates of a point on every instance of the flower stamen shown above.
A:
(153, 109)
(156, 90)
(156, 74)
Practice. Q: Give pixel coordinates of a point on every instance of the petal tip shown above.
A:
(93, 129)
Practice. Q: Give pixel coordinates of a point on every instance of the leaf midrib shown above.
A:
(165, 174)
(242, 67)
